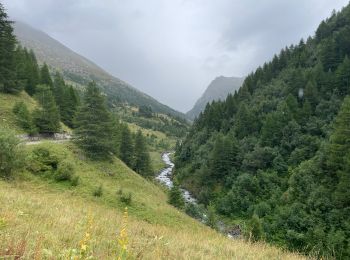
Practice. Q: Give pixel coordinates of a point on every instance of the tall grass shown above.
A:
(44, 219)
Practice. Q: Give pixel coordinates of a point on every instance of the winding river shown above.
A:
(165, 177)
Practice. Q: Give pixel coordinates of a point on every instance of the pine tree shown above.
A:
(223, 158)
(343, 77)
(45, 78)
(142, 162)
(93, 125)
(311, 93)
(32, 71)
(66, 99)
(340, 139)
(8, 82)
(126, 147)
(24, 118)
(175, 197)
(47, 117)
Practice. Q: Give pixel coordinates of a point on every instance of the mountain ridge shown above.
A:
(80, 70)
(218, 89)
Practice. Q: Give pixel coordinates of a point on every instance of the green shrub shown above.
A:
(75, 181)
(11, 157)
(98, 191)
(126, 198)
(194, 210)
(175, 197)
(52, 162)
(42, 160)
(24, 118)
(255, 229)
(65, 171)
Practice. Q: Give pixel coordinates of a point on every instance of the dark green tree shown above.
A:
(126, 149)
(175, 197)
(24, 118)
(46, 117)
(8, 82)
(340, 139)
(10, 156)
(66, 99)
(343, 77)
(45, 77)
(32, 74)
(142, 161)
(93, 125)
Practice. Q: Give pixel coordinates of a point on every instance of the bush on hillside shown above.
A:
(65, 171)
(52, 162)
(98, 191)
(10, 154)
(125, 198)
(24, 118)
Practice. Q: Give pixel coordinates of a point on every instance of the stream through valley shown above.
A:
(165, 177)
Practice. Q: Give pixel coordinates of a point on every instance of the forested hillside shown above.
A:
(276, 154)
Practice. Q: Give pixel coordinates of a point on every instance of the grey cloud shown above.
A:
(173, 49)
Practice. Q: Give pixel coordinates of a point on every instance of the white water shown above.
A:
(165, 177)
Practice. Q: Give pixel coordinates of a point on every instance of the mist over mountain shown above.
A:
(218, 89)
(79, 70)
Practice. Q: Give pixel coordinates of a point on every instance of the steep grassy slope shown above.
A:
(39, 218)
(80, 70)
(7, 102)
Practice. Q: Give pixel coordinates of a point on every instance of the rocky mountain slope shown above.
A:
(80, 70)
(218, 89)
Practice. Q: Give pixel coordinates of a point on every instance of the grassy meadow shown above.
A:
(44, 219)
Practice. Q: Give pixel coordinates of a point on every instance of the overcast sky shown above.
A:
(171, 50)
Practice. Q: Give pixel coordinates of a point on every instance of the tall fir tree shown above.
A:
(45, 77)
(340, 139)
(142, 161)
(126, 149)
(8, 82)
(32, 70)
(66, 99)
(47, 117)
(93, 125)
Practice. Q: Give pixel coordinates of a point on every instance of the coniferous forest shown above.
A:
(276, 154)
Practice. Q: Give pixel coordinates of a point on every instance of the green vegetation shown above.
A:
(275, 155)
(142, 163)
(66, 98)
(10, 153)
(154, 228)
(8, 102)
(94, 125)
(24, 118)
(175, 197)
(8, 80)
(47, 116)
(144, 117)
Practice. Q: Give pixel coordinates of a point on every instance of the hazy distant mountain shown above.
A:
(80, 70)
(218, 89)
